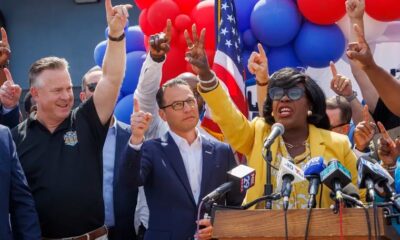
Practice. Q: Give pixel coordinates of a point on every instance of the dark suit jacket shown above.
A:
(173, 210)
(10, 119)
(15, 197)
(125, 189)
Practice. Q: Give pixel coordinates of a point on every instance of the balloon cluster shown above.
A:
(306, 33)
(183, 13)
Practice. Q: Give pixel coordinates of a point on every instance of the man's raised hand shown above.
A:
(140, 122)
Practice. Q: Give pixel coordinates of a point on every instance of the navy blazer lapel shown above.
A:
(208, 166)
(175, 158)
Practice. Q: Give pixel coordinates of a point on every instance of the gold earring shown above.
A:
(309, 113)
(272, 114)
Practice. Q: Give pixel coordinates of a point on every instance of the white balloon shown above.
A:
(373, 28)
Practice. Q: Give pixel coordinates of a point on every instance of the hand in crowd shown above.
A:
(9, 91)
(355, 8)
(117, 17)
(196, 54)
(5, 51)
(159, 43)
(258, 64)
(388, 150)
(340, 84)
(359, 52)
(140, 122)
(205, 233)
(365, 131)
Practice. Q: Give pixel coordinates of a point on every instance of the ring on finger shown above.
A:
(191, 47)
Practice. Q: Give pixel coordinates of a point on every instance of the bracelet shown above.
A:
(207, 89)
(214, 78)
(351, 97)
(117, 39)
(261, 84)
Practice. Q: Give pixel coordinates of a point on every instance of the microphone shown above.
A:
(368, 175)
(288, 173)
(312, 170)
(218, 192)
(351, 196)
(335, 176)
(243, 176)
(277, 130)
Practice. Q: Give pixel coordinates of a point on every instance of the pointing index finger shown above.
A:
(333, 69)
(386, 135)
(168, 30)
(359, 33)
(261, 51)
(4, 37)
(8, 75)
(365, 113)
(136, 107)
(109, 7)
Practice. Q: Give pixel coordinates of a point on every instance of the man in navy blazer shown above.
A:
(16, 201)
(179, 169)
(119, 189)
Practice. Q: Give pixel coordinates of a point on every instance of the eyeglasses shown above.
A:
(179, 105)
(337, 126)
(294, 93)
(91, 86)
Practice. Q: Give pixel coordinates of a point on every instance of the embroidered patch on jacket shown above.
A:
(70, 138)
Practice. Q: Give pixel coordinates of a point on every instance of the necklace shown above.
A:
(294, 146)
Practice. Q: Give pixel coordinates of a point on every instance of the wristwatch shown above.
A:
(351, 97)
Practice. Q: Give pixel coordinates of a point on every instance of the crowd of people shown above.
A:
(83, 174)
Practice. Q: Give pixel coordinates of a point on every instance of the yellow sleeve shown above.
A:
(237, 130)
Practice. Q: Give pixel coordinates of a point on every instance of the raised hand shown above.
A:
(196, 54)
(385, 135)
(355, 8)
(9, 91)
(340, 84)
(258, 64)
(159, 43)
(117, 17)
(5, 51)
(387, 152)
(140, 122)
(365, 131)
(359, 52)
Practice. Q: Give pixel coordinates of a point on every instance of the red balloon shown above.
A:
(322, 12)
(144, 24)
(160, 11)
(383, 10)
(174, 65)
(146, 42)
(182, 22)
(142, 4)
(203, 16)
(186, 6)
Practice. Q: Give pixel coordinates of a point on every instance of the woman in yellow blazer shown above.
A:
(295, 101)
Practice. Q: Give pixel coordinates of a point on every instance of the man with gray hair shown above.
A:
(61, 150)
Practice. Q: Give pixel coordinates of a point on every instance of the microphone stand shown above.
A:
(268, 188)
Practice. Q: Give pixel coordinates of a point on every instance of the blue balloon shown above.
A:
(275, 22)
(317, 45)
(243, 11)
(280, 57)
(123, 109)
(249, 39)
(134, 62)
(99, 53)
(134, 39)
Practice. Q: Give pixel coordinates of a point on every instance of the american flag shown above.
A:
(227, 61)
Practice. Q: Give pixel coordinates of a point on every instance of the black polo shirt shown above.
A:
(64, 170)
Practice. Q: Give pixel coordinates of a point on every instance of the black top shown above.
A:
(64, 170)
(385, 116)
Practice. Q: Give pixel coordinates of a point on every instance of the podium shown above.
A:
(324, 224)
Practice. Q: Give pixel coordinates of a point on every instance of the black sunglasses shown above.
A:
(277, 93)
(91, 86)
(337, 126)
